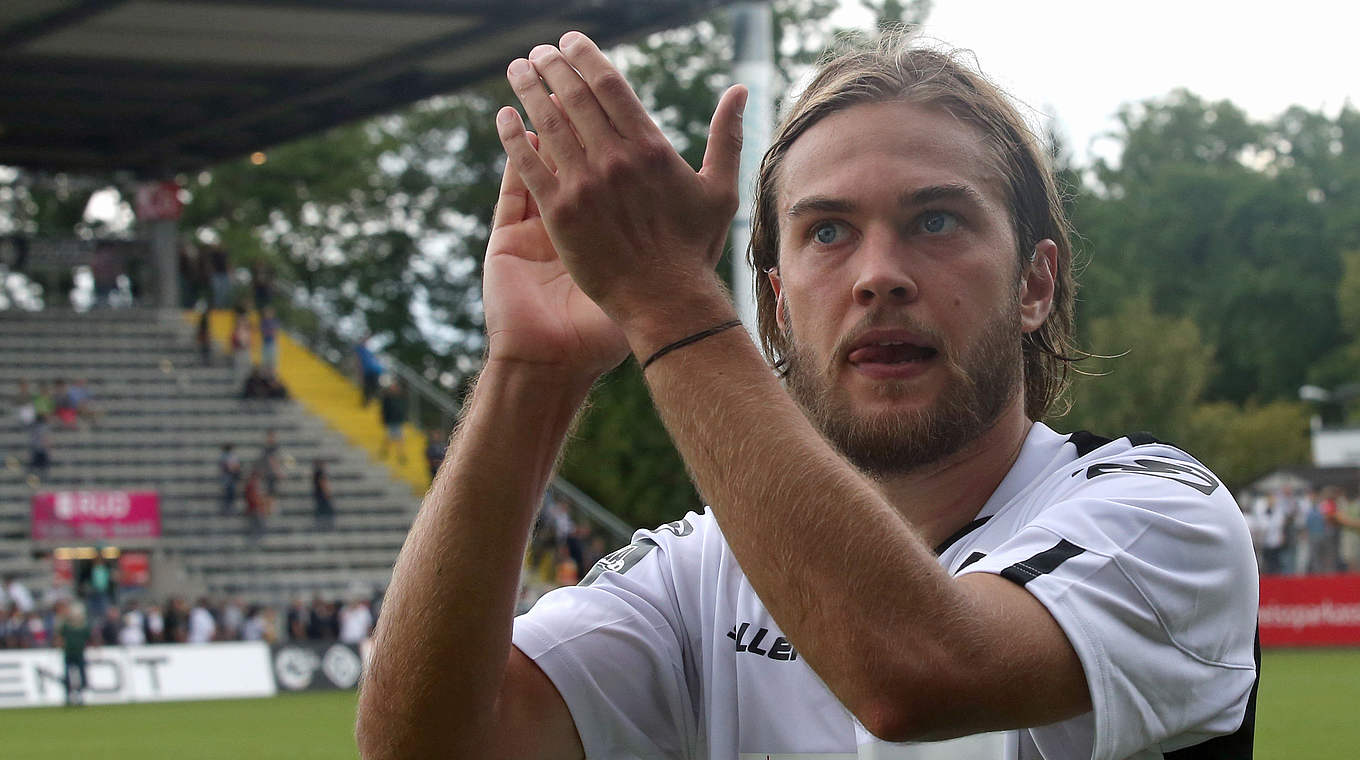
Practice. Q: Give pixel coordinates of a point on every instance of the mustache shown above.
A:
(890, 319)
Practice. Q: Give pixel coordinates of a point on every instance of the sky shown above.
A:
(1079, 60)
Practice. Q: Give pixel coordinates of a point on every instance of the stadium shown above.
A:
(241, 315)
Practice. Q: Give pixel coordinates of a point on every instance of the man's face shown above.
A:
(898, 285)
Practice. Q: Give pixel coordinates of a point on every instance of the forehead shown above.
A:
(885, 149)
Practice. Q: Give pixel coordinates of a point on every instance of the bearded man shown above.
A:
(898, 553)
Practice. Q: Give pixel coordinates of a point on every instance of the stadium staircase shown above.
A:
(165, 419)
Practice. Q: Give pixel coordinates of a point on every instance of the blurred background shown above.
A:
(240, 258)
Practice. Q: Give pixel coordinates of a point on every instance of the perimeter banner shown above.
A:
(1310, 610)
(96, 515)
(156, 673)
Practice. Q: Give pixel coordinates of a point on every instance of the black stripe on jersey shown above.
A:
(1042, 563)
(974, 557)
(960, 533)
(1087, 442)
(1238, 744)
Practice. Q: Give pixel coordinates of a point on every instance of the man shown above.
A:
(896, 549)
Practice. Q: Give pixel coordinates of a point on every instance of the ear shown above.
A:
(1038, 285)
(777, 284)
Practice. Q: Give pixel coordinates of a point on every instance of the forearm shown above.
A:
(847, 579)
(442, 643)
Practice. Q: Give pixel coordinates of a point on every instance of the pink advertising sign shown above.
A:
(96, 515)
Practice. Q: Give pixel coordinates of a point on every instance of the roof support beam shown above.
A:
(17, 36)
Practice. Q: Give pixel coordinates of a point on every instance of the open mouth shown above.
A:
(891, 352)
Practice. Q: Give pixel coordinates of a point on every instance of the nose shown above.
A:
(883, 274)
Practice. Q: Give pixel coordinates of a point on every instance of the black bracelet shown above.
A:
(695, 338)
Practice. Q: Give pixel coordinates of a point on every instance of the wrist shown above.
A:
(681, 314)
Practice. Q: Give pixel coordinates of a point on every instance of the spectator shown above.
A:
(240, 343)
(39, 455)
(205, 335)
(394, 411)
(219, 264)
(106, 267)
(80, 398)
(23, 405)
(133, 632)
(355, 622)
(258, 503)
(12, 627)
(43, 404)
(177, 621)
(110, 625)
(567, 572)
(73, 635)
(262, 288)
(297, 620)
(263, 383)
(271, 462)
(18, 594)
(435, 450)
(155, 624)
(255, 627)
(202, 626)
(229, 473)
(370, 369)
(321, 496)
(269, 335)
(1271, 520)
(323, 624)
(232, 618)
(64, 410)
(103, 588)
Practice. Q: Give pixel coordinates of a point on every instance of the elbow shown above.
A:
(891, 721)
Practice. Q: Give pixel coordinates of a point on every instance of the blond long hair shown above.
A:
(893, 68)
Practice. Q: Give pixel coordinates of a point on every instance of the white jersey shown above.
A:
(1138, 552)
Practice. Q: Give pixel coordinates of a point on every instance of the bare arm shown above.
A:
(910, 651)
(444, 680)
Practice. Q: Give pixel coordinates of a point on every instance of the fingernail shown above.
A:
(571, 38)
(539, 51)
(742, 97)
(519, 66)
(505, 116)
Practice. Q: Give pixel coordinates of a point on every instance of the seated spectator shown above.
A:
(39, 455)
(263, 383)
(80, 398)
(204, 336)
(64, 410)
(43, 404)
(23, 405)
(356, 622)
(321, 496)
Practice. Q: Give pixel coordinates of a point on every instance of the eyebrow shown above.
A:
(923, 196)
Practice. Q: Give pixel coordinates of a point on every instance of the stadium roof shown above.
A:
(157, 86)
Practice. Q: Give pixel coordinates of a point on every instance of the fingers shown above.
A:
(722, 156)
(514, 204)
(523, 157)
(615, 96)
(549, 120)
(573, 96)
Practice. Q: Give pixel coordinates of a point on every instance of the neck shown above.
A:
(941, 498)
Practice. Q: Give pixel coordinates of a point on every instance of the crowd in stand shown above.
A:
(41, 407)
(1298, 532)
(27, 623)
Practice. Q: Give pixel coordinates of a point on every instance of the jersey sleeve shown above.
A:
(615, 648)
(1146, 564)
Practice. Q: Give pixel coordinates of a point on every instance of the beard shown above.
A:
(981, 382)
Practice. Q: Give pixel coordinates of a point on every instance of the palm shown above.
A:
(534, 311)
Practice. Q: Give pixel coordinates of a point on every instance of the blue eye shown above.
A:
(828, 233)
(938, 222)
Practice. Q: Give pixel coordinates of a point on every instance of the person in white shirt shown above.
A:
(202, 624)
(355, 622)
(18, 593)
(897, 552)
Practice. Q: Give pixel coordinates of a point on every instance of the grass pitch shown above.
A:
(1305, 712)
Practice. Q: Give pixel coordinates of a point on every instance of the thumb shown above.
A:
(722, 156)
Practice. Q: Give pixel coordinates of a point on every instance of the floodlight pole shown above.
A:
(753, 66)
